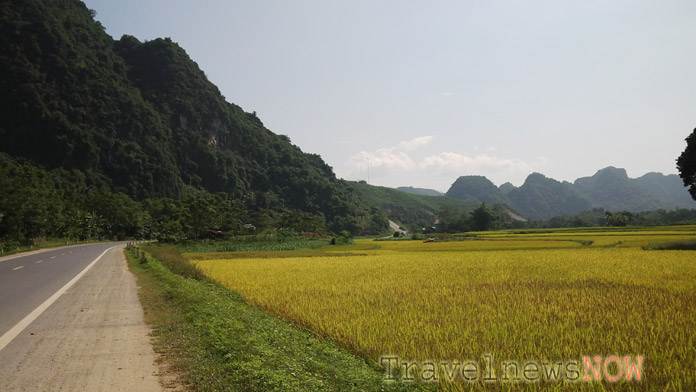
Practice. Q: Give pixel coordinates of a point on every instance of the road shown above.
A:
(70, 319)
(395, 226)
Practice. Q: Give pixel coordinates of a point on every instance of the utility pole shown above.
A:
(368, 171)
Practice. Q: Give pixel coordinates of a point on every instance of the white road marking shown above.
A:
(20, 326)
(40, 261)
(17, 268)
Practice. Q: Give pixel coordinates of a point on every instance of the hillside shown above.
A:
(141, 120)
(406, 208)
(420, 191)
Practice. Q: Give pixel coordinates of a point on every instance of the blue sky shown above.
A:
(428, 91)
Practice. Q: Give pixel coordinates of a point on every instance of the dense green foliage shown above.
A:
(686, 164)
(483, 217)
(92, 125)
(598, 217)
(35, 203)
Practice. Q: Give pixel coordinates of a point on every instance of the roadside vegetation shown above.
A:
(214, 341)
(273, 242)
(12, 247)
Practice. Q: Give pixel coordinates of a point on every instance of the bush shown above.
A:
(345, 237)
(171, 258)
(674, 245)
(8, 246)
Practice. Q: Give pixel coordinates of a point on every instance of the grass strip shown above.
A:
(214, 341)
(673, 245)
(269, 242)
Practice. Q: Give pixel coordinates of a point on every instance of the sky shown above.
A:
(418, 93)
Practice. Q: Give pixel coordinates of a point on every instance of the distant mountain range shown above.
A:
(610, 188)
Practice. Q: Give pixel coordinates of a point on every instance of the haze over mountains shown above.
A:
(610, 188)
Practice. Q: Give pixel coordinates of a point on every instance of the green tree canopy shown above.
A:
(686, 164)
(482, 218)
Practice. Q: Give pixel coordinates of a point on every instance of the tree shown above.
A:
(201, 214)
(686, 164)
(482, 218)
(618, 219)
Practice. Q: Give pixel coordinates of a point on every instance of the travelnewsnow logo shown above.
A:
(612, 368)
(588, 369)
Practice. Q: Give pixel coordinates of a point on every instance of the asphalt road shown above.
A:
(26, 281)
(67, 327)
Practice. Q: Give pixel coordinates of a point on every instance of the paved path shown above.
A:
(86, 336)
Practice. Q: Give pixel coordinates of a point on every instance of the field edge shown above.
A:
(208, 338)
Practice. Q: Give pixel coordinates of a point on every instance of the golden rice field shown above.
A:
(500, 298)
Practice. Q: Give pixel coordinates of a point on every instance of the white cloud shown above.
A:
(410, 145)
(382, 158)
(483, 164)
(401, 164)
(394, 158)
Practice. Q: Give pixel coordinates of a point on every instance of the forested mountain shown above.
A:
(667, 188)
(475, 189)
(542, 198)
(506, 188)
(611, 189)
(608, 189)
(82, 115)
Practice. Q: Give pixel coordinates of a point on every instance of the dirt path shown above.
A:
(93, 338)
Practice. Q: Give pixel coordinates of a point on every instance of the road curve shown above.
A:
(63, 327)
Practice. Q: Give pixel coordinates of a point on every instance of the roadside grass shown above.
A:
(214, 341)
(360, 247)
(268, 242)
